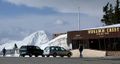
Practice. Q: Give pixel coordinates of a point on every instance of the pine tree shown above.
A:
(117, 12)
(112, 15)
(105, 17)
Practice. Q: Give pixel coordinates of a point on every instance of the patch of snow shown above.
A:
(60, 41)
(89, 53)
(38, 38)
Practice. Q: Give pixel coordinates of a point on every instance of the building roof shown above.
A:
(109, 26)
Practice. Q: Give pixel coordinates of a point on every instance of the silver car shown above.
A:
(56, 51)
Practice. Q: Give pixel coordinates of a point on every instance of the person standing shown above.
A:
(4, 51)
(81, 50)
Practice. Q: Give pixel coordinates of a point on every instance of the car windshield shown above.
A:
(47, 48)
(37, 47)
(23, 48)
(62, 49)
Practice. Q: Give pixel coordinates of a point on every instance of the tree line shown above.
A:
(111, 14)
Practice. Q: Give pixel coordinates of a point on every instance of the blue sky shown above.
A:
(21, 17)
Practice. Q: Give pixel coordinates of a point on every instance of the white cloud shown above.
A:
(39, 22)
(59, 22)
(51, 23)
(90, 7)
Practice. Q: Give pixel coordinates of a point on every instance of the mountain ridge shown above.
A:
(33, 39)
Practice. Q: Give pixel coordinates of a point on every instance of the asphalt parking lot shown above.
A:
(58, 60)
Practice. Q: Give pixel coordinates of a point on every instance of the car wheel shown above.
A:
(62, 56)
(48, 55)
(22, 55)
(54, 55)
(36, 55)
(30, 55)
(43, 55)
(69, 55)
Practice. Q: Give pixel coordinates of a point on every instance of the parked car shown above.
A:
(56, 51)
(30, 50)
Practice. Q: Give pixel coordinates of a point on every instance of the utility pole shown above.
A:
(78, 18)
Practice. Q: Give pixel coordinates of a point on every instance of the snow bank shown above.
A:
(59, 41)
(89, 53)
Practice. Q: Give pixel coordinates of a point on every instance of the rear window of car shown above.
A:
(23, 48)
(47, 48)
(37, 47)
(30, 47)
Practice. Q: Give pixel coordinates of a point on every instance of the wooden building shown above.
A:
(101, 38)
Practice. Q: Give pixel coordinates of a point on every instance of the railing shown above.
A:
(10, 51)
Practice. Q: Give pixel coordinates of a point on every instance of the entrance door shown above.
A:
(76, 43)
(93, 44)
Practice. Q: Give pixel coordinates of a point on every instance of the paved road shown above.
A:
(40, 60)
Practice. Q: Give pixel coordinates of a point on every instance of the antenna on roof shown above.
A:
(78, 18)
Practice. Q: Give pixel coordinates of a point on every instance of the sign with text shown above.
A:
(104, 31)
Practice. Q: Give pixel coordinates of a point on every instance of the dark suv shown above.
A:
(56, 51)
(30, 50)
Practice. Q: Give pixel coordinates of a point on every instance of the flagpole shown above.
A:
(78, 18)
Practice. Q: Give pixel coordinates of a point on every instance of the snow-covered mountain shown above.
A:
(40, 39)
(37, 38)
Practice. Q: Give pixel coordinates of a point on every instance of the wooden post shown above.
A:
(104, 44)
(99, 44)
